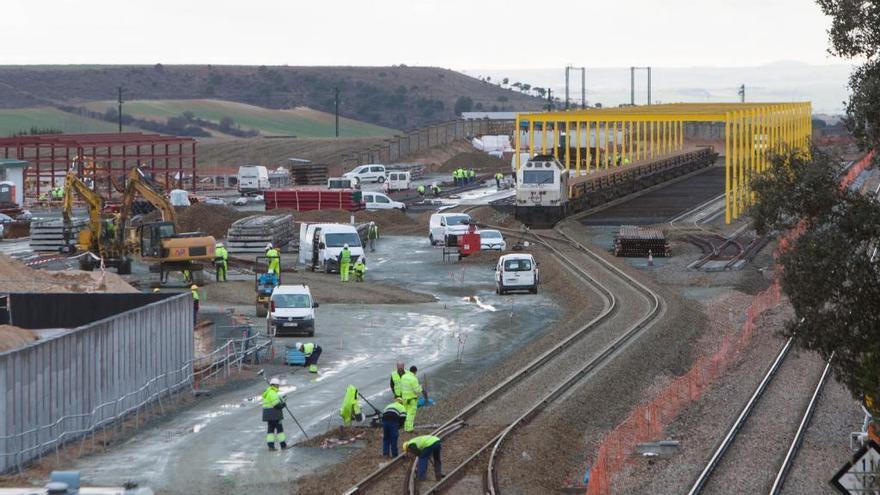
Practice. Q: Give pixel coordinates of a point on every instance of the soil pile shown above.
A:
(389, 221)
(12, 337)
(213, 220)
(477, 160)
(81, 281)
(16, 277)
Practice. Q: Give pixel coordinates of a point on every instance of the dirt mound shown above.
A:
(477, 160)
(17, 277)
(213, 220)
(389, 221)
(14, 337)
(495, 216)
(81, 281)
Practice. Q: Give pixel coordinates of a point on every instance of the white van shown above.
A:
(398, 181)
(442, 224)
(379, 201)
(368, 173)
(291, 312)
(516, 272)
(252, 179)
(321, 243)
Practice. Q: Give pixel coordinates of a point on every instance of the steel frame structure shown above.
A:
(101, 156)
(751, 132)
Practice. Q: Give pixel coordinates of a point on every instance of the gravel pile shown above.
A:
(477, 160)
(213, 220)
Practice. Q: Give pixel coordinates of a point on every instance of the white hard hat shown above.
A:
(345, 246)
(269, 246)
(372, 223)
(219, 244)
(275, 381)
(299, 344)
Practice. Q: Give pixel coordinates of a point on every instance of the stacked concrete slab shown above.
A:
(47, 235)
(251, 234)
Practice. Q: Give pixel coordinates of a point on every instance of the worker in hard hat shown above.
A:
(195, 293)
(351, 406)
(274, 260)
(273, 414)
(421, 190)
(221, 258)
(425, 447)
(344, 263)
(409, 392)
(360, 269)
(393, 418)
(435, 189)
(373, 236)
(155, 290)
(498, 178)
(396, 375)
(312, 353)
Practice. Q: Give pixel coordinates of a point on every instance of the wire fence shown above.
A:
(647, 421)
(25, 447)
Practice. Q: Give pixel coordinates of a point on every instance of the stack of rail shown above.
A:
(306, 199)
(638, 242)
(251, 234)
(308, 174)
(47, 235)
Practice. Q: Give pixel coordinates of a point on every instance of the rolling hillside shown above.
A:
(300, 122)
(13, 121)
(396, 97)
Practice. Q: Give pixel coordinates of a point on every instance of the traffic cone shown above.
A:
(650, 258)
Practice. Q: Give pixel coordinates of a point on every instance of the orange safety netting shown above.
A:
(647, 421)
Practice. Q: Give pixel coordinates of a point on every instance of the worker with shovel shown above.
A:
(273, 413)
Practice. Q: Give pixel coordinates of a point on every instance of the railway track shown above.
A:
(733, 462)
(494, 417)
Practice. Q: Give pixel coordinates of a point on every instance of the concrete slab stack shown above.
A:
(251, 234)
(47, 235)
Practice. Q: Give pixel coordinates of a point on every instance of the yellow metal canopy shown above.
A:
(612, 137)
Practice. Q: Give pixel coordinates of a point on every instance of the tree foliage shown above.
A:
(828, 273)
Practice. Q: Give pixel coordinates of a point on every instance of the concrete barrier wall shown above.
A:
(59, 389)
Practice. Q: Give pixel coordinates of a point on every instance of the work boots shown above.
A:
(283, 446)
(272, 446)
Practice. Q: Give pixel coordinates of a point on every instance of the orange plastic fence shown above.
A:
(647, 421)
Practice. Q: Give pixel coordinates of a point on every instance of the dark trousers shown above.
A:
(432, 451)
(497, 183)
(195, 312)
(390, 434)
(313, 357)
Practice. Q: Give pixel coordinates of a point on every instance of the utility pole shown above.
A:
(566, 86)
(549, 99)
(119, 111)
(336, 108)
(742, 93)
(632, 84)
(583, 85)
(583, 88)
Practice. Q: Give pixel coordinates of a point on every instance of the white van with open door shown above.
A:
(516, 272)
(320, 245)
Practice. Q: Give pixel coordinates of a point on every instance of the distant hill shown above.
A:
(397, 97)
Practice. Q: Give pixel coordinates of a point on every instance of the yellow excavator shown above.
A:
(157, 243)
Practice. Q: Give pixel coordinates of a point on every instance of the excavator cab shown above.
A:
(151, 236)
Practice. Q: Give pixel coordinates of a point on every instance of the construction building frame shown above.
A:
(613, 137)
(100, 157)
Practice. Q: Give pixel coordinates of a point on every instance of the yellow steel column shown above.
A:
(556, 139)
(577, 151)
(639, 135)
(598, 142)
(753, 148)
(728, 128)
(615, 135)
(567, 145)
(605, 145)
(680, 135)
(531, 136)
(667, 136)
(516, 146)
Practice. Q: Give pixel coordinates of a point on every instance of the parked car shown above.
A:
(214, 201)
(443, 224)
(379, 201)
(492, 240)
(367, 173)
(398, 181)
(291, 311)
(242, 201)
(517, 271)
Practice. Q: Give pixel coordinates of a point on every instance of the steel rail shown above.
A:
(725, 444)
(798, 439)
(497, 441)
(519, 375)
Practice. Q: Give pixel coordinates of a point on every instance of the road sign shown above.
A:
(861, 475)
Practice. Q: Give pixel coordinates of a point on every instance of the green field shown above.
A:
(22, 119)
(300, 122)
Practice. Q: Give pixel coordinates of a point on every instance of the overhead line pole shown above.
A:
(119, 111)
(336, 108)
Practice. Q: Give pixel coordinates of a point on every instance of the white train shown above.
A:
(541, 191)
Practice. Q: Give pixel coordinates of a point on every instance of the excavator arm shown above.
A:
(95, 203)
(138, 184)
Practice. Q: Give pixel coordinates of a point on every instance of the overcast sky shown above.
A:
(458, 34)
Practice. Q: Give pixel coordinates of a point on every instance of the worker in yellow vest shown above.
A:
(312, 353)
(273, 413)
(195, 293)
(396, 375)
(425, 447)
(274, 260)
(409, 392)
(351, 406)
(221, 258)
(393, 418)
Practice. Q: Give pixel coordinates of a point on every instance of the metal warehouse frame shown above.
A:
(102, 155)
(751, 130)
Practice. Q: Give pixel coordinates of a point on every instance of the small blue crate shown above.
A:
(295, 357)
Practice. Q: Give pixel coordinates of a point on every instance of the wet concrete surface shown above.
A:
(218, 445)
(662, 204)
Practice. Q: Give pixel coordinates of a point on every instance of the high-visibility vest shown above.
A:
(396, 406)
(409, 386)
(395, 379)
(422, 442)
(220, 253)
(308, 349)
(195, 293)
(271, 398)
(345, 256)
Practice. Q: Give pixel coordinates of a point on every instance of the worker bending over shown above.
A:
(351, 406)
(274, 260)
(221, 258)
(425, 447)
(435, 189)
(359, 270)
(421, 190)
(409, 392)
(392, 420)
(396, 375)
(273, 413)
(344, 263)
(312, 353)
